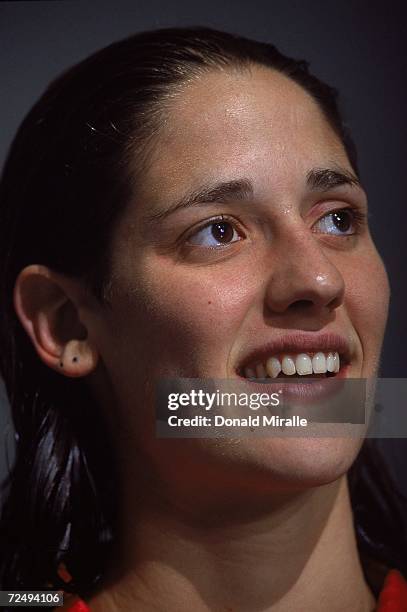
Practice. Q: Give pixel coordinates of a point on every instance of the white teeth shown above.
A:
(261, 371)
(273, 367)
(330, 366)
(336, 362)
(288, 365)
(303, 364)
(319, 363)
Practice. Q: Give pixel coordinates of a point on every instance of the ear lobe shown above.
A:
(48, 312)
(78, 359)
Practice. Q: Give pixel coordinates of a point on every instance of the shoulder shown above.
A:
(392, 598)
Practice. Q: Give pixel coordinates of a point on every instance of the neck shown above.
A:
(302, 555)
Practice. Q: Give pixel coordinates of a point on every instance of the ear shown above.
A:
(48, 306)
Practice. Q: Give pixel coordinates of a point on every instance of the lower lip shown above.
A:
(305, 392)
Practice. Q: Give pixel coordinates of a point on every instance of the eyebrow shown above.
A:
(227, 191)
(323, 179)
(318, 179)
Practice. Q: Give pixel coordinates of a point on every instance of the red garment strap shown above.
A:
(78, 606)
(393, 597)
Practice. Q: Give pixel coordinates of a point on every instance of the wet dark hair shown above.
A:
(74, 163)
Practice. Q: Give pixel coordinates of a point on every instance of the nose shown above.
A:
(303, 276)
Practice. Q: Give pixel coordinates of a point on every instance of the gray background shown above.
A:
(359, 47)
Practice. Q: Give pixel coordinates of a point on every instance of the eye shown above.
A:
(344, 222)
(215, 234)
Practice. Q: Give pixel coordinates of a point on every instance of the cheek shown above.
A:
(185, 321)
(367, 301)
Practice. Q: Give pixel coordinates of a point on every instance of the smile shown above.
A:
(298, 354)
(300, 364)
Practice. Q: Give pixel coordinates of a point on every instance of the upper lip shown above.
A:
(298, 342)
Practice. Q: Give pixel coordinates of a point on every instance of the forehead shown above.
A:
(227, 124)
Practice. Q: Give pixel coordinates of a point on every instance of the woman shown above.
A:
(181, 204)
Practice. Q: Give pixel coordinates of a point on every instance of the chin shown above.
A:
(303, 462)
(278, 464)
(237, 468)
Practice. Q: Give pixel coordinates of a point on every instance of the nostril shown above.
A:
(335, 302)
(301, 304)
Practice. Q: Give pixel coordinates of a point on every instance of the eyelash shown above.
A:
(220, 219)
(358, 221)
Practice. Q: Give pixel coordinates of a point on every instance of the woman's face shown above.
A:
(230, 245)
